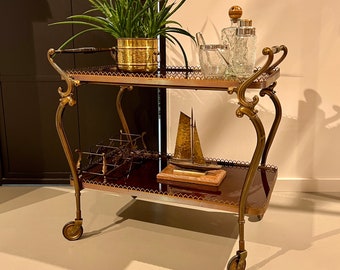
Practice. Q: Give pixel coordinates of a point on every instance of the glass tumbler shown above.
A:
(213, 61)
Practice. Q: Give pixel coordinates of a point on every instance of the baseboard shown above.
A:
(308, 185)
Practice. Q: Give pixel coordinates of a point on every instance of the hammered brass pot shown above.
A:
(137, 54)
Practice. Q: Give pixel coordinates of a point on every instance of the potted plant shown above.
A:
(134, 23)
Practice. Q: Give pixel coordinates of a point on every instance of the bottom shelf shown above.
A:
(142, 182)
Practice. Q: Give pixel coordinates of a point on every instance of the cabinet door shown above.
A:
(30, 148)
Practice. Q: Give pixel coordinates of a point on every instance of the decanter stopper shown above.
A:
(235, 12)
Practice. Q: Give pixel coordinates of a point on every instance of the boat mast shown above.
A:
(192, 135)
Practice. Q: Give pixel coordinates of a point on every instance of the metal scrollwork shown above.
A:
(249, 111)
(243, 101)
(68, 100)
(269, 91)
(70, 83)
(247, 107)
(268, 67)
(72, 230)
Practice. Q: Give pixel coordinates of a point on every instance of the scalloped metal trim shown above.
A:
(172, 72)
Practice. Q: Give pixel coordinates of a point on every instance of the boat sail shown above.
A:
(188, 152)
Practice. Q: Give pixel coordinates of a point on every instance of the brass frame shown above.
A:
(73, 230)
(262, 147)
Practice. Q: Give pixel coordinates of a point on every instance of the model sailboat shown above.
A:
(188, 168)
(188, 152)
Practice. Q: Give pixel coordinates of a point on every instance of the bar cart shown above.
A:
(123, 167)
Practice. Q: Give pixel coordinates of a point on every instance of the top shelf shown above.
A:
(173, 77)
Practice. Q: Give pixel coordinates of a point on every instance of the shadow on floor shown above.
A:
(13, 197)
(209, 222)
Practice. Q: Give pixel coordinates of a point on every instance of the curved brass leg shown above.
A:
(72, 230)
(77, 224)
(252, 114)
(278, 115)
(247, 107)
(120, 110)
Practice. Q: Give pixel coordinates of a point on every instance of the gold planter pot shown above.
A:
(137, 54)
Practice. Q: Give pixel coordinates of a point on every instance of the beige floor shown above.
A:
(299, 229)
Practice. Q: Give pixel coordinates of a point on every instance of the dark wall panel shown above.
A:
(29, 146)
(30, 151)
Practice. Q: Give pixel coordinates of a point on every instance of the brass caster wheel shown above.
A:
(236, 263)
(259, 217)
(256, 218)
(72, 231)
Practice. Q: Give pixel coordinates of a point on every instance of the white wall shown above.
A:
(307, 146)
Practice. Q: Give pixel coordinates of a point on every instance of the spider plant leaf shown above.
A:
(75, 36)
(174, 39)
